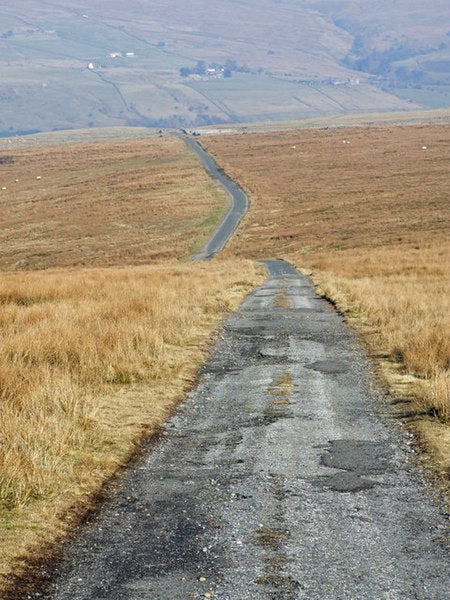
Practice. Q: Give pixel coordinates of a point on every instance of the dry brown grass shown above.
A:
(98, 204)
(90, 361)
(312, 193)
(370, 218)
(93, 359)
(399, 295)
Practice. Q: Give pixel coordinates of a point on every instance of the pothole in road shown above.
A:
(346, 482)
(359, 456)
(218, 368)
(248, 348)
(271, 352)
(329, 367)
(356, 459)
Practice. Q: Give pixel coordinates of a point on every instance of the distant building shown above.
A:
(215, 73)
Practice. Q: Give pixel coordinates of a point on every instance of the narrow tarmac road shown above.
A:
(276, 480)
(238, 209)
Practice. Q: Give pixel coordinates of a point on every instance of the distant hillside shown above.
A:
(401, 40)
(80, 63)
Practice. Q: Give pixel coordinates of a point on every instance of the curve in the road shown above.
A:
(239, 206)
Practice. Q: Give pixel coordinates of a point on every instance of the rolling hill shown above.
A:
(90, 64)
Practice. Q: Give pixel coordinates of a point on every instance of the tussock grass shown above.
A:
(90, 361)
(401, 297)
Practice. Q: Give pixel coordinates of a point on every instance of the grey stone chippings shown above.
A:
(278, 479)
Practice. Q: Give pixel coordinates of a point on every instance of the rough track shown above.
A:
(276, 480)
(238, 209)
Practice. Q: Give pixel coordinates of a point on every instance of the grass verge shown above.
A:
(92, 361)
(397, 299)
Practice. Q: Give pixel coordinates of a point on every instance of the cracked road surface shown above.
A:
(277, 479)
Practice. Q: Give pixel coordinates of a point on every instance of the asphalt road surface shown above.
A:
(277, 479)
(239, 204)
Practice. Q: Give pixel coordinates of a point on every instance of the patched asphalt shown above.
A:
(279, 478)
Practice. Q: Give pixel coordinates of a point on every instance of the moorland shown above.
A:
(365, 211)
(115, 203)
(104, 323)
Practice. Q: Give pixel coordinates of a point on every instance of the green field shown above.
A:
(247, 97)
(305, 72)
(430, 96)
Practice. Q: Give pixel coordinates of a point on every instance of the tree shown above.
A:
(200, 68)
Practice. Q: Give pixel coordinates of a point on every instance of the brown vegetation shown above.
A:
(400, 296)
(327, 190)
(94, 359)
(367, 210)
(91, 361)
(114, 203)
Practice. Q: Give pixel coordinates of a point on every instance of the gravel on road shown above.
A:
(279, 478)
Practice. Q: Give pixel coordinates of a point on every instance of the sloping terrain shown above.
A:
(113, 203)
(386, 35)
(276, 479)
(337, 189)
(91, 64)
(95, 359)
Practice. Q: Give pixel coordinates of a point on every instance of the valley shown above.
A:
(76, 64)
